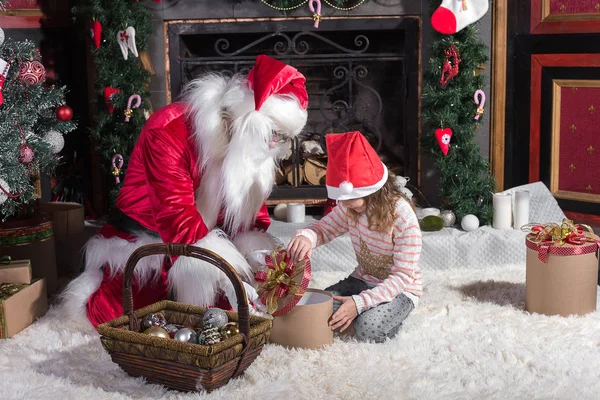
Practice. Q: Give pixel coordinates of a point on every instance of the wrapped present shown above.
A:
(70, 235)
(300, 314)
(562, 269)
(14, 271)
(32, 239)
(20, 305)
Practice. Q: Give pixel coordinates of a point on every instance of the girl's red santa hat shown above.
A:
(354, 169)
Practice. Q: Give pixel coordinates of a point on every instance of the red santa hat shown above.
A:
(270, 76)
(354, 169)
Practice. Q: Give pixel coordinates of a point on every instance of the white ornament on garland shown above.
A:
(1, 36)
(3, 187)
(469, 222)
(55, 140)
(126, 40)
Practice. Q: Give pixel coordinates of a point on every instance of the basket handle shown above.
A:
(179, 249)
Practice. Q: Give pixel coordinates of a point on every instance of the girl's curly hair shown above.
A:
(381, 206)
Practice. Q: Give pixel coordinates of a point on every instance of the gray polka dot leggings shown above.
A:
(378, 323)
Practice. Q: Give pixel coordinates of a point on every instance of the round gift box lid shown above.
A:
(282, 275)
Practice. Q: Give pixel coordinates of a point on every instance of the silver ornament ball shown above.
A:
(448, 217)
(186, 335)
(215, 317)
(3, 196)
(55, 140)
(1, 36)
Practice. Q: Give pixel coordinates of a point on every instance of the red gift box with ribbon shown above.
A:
(562, 269)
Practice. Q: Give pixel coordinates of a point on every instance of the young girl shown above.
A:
(385, 233)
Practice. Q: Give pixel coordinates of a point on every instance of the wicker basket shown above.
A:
(180, 365)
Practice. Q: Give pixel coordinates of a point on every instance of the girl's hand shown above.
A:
(299, 247)
(345, 314)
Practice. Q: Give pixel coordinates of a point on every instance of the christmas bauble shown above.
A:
(215, 317)
(4, 185)
(64, 113)
(55, 140)
(157, 331)
(154, 319)
(230, 329)
(211, 334)
(185, 335)
(469, 222)
(280, 212)
(25, 154)
(1, 36)
(448, 217)
(32, 72)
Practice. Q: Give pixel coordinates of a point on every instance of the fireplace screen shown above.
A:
(361, 74)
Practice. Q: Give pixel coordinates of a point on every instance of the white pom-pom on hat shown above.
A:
(346, 187)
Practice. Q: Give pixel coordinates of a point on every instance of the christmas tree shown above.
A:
(449, 112)
(119, 31)
(33, 120)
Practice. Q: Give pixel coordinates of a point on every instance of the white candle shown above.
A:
(296, 213)
(430, 211)
(521, 211)
(502, 211)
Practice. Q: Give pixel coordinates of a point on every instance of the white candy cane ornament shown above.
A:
(117, 164)
(4, 66)
(129, 111)
(317, 14)
(480, 103)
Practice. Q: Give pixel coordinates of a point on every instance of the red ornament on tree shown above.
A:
(32, 72)
(64, 113)
(443, 137)
(96, 33)
(450, 70)
(109, 92)
(25, 154)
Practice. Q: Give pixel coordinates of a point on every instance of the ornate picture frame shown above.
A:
(560, 16)
(571, 182)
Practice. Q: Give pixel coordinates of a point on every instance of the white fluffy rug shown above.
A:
(468, 339)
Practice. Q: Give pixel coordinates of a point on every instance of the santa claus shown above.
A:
(199, 174)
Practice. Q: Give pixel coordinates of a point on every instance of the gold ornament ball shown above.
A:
(229, 330)
(157, 331)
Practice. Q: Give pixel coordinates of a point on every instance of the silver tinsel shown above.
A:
(448, 217)
(215, 317)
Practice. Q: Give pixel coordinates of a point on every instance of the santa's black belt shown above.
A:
(126, 224)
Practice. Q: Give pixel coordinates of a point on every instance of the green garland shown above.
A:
(112, 133)
(27, 114)
(465, 182)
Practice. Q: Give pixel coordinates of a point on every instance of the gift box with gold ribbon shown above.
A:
(562, 269)
(301, 314)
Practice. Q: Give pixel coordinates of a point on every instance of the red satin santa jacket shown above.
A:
(162, 177)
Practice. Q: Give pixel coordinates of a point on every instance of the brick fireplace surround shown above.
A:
(177, 58)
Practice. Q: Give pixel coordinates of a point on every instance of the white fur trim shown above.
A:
(100, 251)
(197, 282)
(248, 242)
(357, 192)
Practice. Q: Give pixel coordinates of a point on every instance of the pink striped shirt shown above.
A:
(402, 244)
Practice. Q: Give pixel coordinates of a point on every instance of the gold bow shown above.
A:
(278, 280)
(567, 232)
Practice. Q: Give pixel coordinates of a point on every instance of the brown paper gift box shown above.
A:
(17, 271)
(307, 324)
(67, 218)
(31, 239)
(564, 284)
(21, 309)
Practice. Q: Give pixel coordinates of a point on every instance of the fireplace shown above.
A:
(362, 74)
